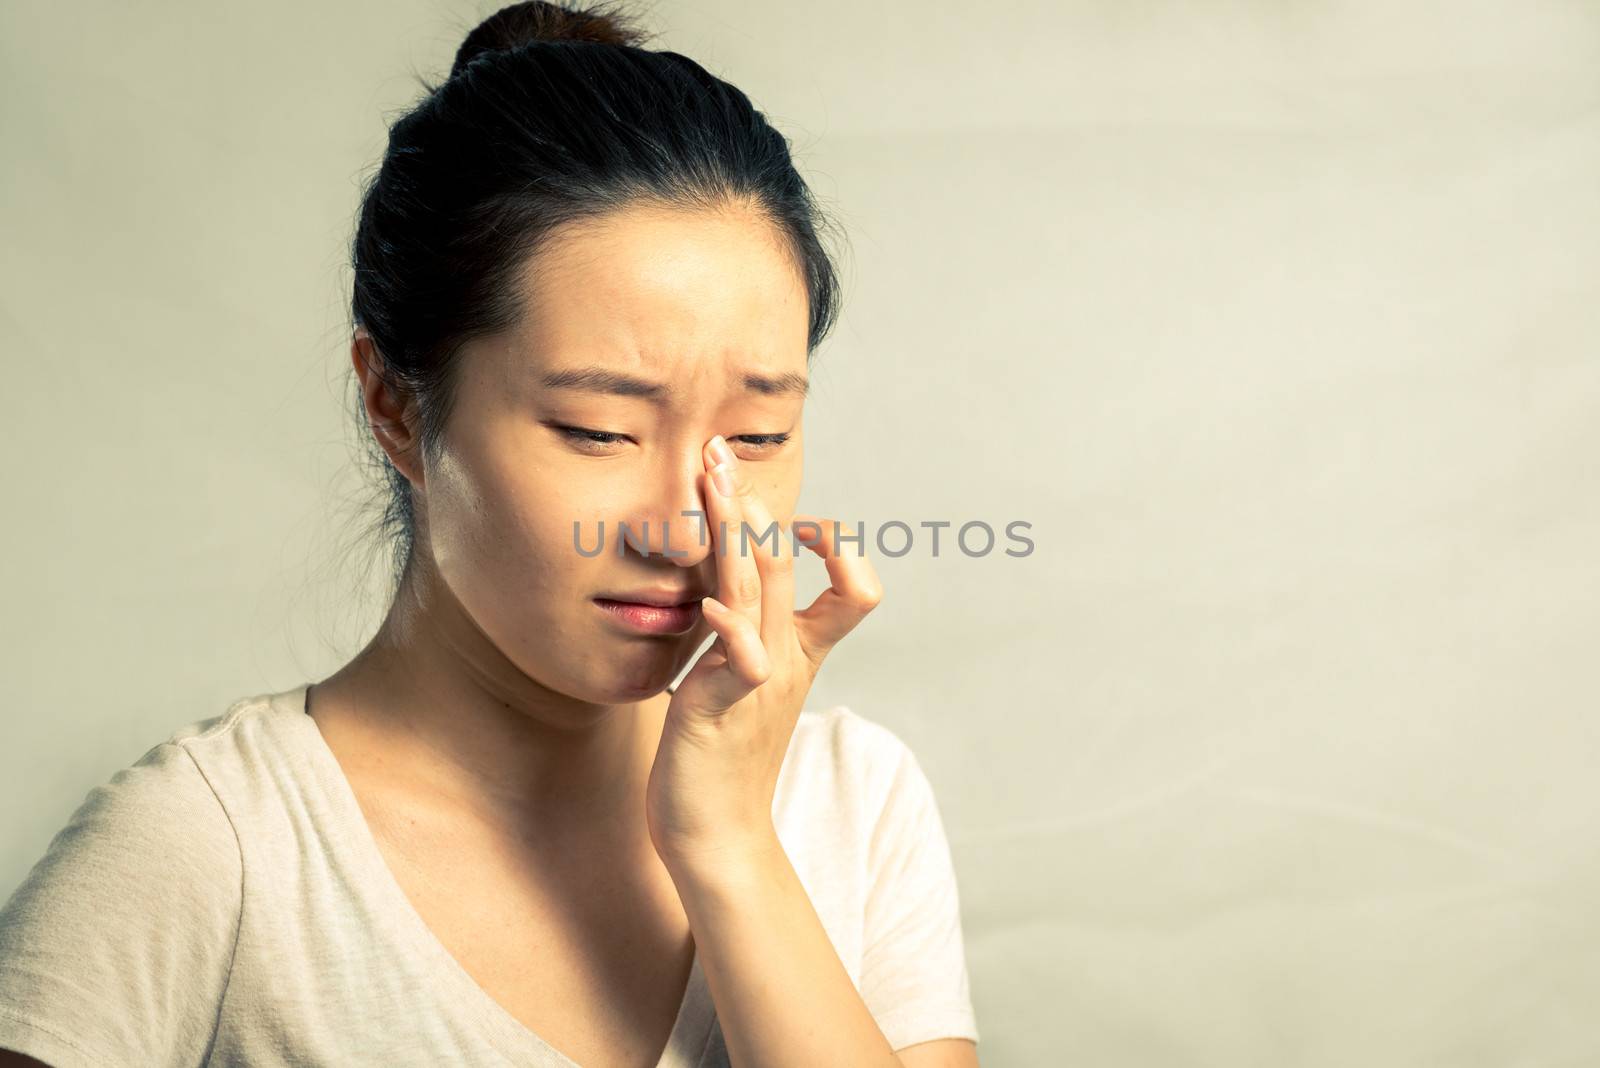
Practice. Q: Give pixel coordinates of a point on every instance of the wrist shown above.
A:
(726, 858)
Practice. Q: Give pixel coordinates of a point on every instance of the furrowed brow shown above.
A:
(778, 385)
(603, 380)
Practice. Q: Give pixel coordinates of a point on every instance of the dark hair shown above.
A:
(551, 115)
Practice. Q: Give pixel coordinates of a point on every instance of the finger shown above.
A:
(853, 592)
(769, 546)
(738, 650)
(738, 577)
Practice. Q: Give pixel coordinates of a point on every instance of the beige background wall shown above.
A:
(1277, 321)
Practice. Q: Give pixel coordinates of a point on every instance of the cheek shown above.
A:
(497, 536)
(457, 515)
(779, 487)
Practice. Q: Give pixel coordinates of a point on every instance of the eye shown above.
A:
(589, 439)
(596, 440)
(764, 442)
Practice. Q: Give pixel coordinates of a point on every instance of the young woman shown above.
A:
(587, 288)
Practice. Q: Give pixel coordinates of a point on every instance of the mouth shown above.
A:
(646, 618)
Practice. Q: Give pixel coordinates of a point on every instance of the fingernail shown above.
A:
(720, 451)
(723, 478)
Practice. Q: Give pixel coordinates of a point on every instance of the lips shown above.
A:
(659, 598)
(648, 618)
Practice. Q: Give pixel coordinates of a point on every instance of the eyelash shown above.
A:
(603, 437)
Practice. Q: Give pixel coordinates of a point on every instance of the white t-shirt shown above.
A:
(222, 902)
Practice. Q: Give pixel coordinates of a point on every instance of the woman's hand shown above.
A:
(728, 727)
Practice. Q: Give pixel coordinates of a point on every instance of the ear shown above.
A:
(391, 416)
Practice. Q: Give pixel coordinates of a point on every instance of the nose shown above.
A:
(672, 524)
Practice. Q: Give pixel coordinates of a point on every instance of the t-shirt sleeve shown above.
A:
(914, 971)
(117, 946)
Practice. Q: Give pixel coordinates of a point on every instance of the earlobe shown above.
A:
(385, 413)
(397, 440)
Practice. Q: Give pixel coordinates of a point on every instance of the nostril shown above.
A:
(684, 537)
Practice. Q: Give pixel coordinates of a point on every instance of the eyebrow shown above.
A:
(603, 380)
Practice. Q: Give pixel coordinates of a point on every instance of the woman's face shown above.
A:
(696, 307)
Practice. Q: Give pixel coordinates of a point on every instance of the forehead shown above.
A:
(671, 295)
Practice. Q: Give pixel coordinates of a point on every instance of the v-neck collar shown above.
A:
(457, 990)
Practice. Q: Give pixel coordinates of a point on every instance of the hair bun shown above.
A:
(533, 21)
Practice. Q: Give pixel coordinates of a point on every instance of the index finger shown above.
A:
(760, 578)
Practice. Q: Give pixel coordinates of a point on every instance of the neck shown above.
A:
(430, 709)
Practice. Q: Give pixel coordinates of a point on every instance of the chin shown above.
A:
(618, 692)
(627, 684)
